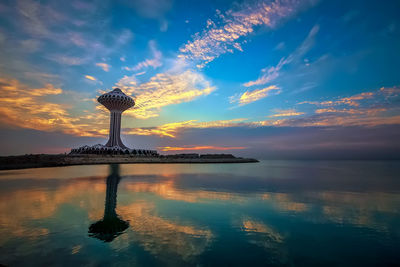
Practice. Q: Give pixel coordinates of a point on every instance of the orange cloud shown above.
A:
(193, 148)
(287, 113)
(251, 96)
(90, 78)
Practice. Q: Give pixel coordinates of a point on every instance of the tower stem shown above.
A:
(115, 130)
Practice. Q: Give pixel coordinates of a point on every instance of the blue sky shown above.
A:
(242, 77)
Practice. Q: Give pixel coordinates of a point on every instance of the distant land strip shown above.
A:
(59, 160)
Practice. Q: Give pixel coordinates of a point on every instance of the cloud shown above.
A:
(380, 96)
(32, 17)
(369, 118)
(225, 34)
(271, 73)
(54, 25)
(360, 115)
(164, 89)
(155, 62)
(287, 113)
(364, 109)
(90, 78)
(173, 129)
(106, 67)
(251, 96)
(26, 107)
(67, 60)
(333, 110)
(195, 148)
(30, 45)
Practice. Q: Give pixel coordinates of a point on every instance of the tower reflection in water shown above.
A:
(111, 225)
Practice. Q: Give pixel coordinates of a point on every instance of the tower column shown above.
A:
(115, 130)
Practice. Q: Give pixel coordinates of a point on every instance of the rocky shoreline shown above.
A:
(59, 160)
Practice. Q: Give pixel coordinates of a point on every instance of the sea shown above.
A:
(271, 213)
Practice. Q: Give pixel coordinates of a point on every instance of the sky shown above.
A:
(282, 79)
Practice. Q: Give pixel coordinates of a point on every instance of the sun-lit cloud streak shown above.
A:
(195, 148)
(351, 101)
(225, 34)
(164, 89)
(106, 67)
(350, 111)
(155, 62)
(271, 73)
(337, 120)
(287, 113)
(90, 78)
(250, 96)
(173, 129)
(383, 94)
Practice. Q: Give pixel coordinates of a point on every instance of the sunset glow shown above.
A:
(239, 73)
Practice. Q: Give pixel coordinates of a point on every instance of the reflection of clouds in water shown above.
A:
(252, 226)
(160, 236)
(168, 190)
(266, 237)
(76, 249)
(361, 209)
(23, 205)
(157, 235)
(339, 207)
(284, 202)
(32, 206)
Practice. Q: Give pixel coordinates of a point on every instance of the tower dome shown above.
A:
(116, 100)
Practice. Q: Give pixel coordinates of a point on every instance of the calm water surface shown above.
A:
(269, 213)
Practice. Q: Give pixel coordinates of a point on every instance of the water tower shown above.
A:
(116, 102)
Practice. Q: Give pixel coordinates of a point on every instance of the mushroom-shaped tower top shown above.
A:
(116, 100)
